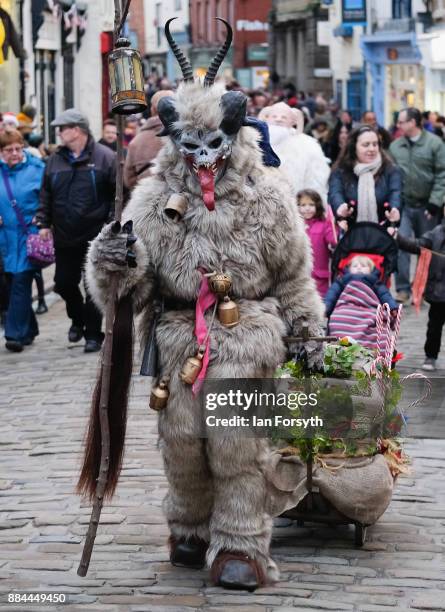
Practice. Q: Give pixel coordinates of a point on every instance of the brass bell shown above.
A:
(176, 207)
(159, 395)
(228, 313)
(192, 367)
(220, 284)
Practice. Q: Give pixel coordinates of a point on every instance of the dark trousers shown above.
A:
(83, 313)
(38, 277)
(413, 222)
(436, 320)
(20, 323)
(4, 291)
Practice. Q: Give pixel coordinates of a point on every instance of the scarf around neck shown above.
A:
(367, 203)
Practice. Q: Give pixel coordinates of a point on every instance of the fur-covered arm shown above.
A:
(107, 257)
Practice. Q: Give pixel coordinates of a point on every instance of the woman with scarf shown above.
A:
(365, 185)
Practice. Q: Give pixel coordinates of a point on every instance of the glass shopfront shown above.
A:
(405, 87)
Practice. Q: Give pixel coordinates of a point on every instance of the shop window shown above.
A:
(45, 70)
(401, 9)
(356, 94)
(339, 93)
(208, 22)
(199, 11)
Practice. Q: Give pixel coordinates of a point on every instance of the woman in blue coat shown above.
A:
(24, 174)
(365, 176)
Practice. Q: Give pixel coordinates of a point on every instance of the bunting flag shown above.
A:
(419, 284)
(330, 217)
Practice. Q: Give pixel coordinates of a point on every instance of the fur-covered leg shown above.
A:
(239, 520)
(188, 503)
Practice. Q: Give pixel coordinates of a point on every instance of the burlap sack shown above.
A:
(361, 489)
(285, 483)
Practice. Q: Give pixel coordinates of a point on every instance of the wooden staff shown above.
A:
(108, 343)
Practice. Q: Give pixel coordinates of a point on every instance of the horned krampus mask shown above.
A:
(205, 151)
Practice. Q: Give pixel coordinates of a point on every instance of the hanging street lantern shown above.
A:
(126, 79)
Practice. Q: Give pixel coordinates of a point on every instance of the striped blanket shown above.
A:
(355, 315)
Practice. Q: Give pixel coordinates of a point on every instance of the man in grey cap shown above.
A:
(76, 199)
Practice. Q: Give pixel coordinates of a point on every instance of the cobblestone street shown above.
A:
(44, 402)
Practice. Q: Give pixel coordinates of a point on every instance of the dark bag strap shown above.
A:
(13, 201)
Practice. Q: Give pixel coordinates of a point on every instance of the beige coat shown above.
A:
(142, 152)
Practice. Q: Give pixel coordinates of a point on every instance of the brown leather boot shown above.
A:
(236, 570)
(188, 552)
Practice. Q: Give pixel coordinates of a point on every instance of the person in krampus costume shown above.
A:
(236, 218)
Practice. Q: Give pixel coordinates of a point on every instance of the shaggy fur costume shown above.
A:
(217, 487)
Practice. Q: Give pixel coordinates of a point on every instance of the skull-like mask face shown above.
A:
(206, 152)
(206, 155)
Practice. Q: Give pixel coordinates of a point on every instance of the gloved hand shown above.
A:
(311, 352)
(112, 249)
(315, 354)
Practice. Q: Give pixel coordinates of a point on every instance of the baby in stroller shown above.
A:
(359, 287)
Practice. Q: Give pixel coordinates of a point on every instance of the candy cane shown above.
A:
(383, 320)
(379, 326)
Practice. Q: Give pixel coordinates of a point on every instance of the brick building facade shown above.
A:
(136, 23)
(207, 34)
(247, 59)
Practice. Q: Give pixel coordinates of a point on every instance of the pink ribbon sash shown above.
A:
(205, 300)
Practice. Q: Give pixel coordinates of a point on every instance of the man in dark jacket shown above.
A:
(421, 157)
(435, 287)
(76, 199)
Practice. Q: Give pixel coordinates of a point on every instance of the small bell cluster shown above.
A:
(228, 315)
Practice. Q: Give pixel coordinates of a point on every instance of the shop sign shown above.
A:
(246, 25)
(438, 49)
(323, 73)
(354, 11)
(257, 53)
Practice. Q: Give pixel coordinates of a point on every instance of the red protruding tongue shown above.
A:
(207, 181)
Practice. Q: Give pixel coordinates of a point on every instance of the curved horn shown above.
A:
(234, 105)
(219, 57)
(167, 114)
(186, 69)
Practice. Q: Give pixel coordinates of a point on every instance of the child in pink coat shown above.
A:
(321, 233)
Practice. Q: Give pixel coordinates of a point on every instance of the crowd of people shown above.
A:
(340, 171)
